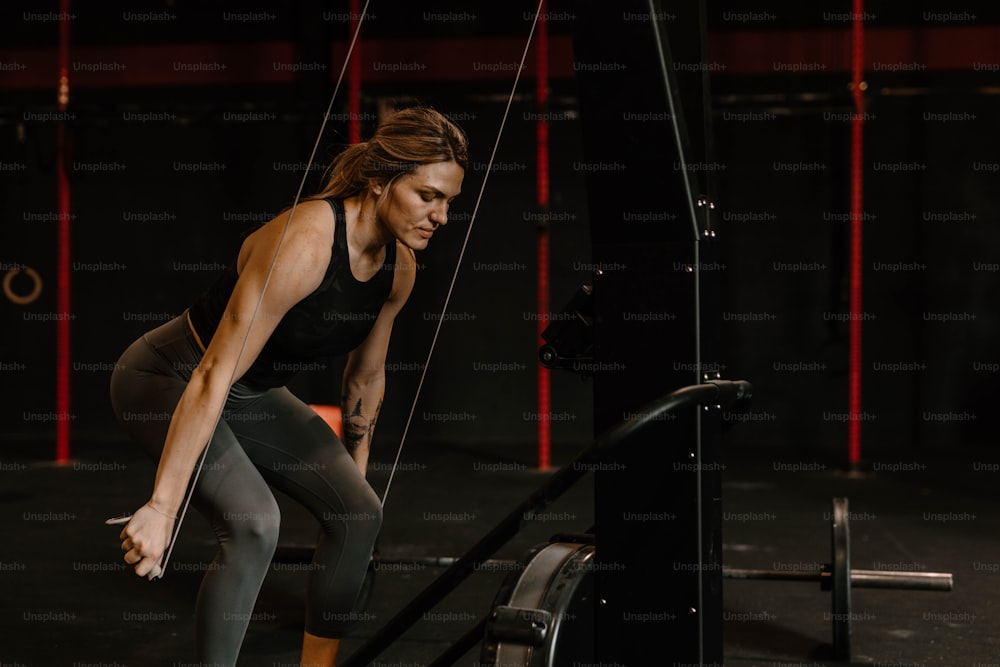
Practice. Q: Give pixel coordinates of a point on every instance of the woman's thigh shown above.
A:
(296, 451)
(145, 389)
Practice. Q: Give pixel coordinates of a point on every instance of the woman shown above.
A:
(344, 268)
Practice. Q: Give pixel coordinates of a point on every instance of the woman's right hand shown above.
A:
(145, 538)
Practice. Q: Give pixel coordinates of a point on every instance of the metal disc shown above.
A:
(555, 588)
(840, 540)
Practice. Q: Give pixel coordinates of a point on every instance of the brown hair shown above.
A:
(404, 141)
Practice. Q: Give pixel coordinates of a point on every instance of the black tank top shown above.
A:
(331, 321)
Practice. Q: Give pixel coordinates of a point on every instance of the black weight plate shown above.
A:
(558, 579)
(840, 541)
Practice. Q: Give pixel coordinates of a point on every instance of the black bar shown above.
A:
(641, 76)
(716, 392)
(774, 575)
(437, 561)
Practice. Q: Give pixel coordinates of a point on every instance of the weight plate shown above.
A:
(556, 584)
(841, 596)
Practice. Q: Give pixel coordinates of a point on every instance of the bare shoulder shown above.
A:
(302, 240)
(405, 273)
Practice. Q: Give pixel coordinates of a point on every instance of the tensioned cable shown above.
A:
(461, 254)
(267, 281)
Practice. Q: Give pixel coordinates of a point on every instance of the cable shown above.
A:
(461, 254)
(267, 281)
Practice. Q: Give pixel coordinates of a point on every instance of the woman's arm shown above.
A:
(364, 375)
(298, 271)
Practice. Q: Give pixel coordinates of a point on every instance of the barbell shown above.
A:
(838, 578)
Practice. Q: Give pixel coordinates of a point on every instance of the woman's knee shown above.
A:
(362, 511)
(373, 509)
(255, 530)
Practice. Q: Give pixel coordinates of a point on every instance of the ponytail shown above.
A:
(344, 176)
(404, 141)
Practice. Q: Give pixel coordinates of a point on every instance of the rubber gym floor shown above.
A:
(69, 601)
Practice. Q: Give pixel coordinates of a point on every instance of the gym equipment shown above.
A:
(543, 613)
(838, 578)
(715, 392)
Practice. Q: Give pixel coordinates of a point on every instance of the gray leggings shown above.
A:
(264, 437)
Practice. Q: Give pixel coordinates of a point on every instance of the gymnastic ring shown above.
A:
(17, 298)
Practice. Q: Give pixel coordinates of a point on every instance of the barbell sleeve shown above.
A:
(914, 581)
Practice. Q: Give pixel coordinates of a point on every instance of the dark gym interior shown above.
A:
(182, 125)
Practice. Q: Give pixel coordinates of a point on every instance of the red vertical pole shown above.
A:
(542, 100)
(63, 266)
(857, 217)
(354, 80)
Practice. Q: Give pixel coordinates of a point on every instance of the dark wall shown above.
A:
(929, 260)
(929, 254)
(149, 235)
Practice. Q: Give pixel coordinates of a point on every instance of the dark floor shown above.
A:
(69, 601)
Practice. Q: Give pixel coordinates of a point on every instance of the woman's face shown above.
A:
(418, 202)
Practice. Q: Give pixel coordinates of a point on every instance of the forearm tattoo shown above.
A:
(358, 429)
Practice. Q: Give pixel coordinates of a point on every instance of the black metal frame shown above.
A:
(718, 392)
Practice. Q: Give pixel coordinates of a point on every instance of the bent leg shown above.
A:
(230, 493)
(296, 452)
(245, 518)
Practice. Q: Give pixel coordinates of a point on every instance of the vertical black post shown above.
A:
(642, 77)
